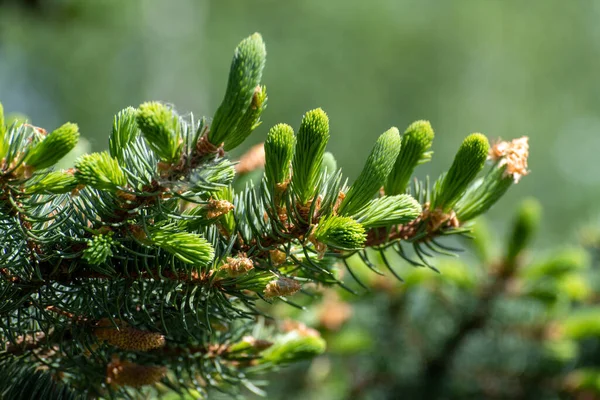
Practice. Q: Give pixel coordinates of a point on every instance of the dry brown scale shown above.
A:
(204, 147)
(282, 286)
(215, 208)
(236, 266)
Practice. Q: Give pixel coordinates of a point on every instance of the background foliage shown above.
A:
(507, 69)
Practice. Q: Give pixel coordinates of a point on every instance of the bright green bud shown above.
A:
(312, 139)
(124, 131)
(525, 225)
(250, 121)
(53, 182)
(468, 162)
(416, 143)
(188, 247)
(244, 76)
(294, 347)
(53, 147)
(483, 194)
(160, 126)
(99, 249)
(279, 150)
(388, 211)
(329, 163)
(100, 171)
(374, 174)
(342, 233)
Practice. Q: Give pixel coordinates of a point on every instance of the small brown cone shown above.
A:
(127, 338)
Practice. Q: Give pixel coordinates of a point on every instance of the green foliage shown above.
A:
(124, 131)
(312, 139)
(24, 382)
(483, 194)
(99, 249)
(188, 247)
(388, 211)
(375, 172)
(53, 182)
(250, 120)
(478, 330)
(53, 147)
(416, 142)
(342, 233)
(147, 266)
(160, 127)
(279, 150)
(242, 95)
(468, 162)
(100, 171)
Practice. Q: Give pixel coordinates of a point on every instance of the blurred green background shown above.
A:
(504, 68)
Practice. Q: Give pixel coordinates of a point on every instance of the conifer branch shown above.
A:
(150, 261)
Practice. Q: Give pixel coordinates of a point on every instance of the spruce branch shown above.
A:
(150, 263)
